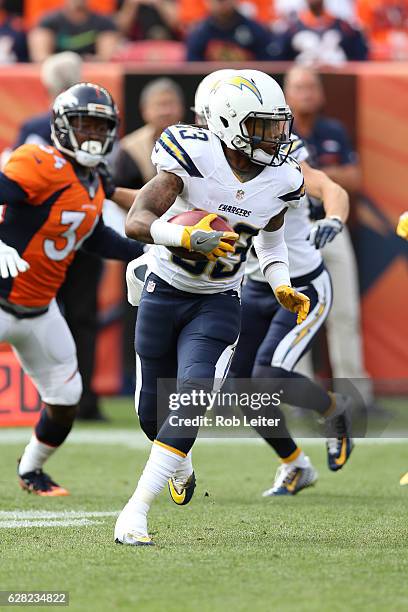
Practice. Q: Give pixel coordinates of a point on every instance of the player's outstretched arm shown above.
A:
(154, 199)
(335, 202)
(122, 196)
(270, 246)
(107, 243)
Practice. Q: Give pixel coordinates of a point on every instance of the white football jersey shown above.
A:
(196, 155)
(303, 257)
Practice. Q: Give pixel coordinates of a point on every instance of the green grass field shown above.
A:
(339, 546)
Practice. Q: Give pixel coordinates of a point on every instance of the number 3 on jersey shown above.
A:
(193, 133)
(73, 220)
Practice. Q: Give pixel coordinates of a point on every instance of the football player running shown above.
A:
(270, 342)
(189, 315)
(52, 199)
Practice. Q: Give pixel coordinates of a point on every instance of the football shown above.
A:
(191, 217)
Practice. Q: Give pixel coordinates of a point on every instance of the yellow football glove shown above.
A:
(203, 238)
(294, 301)
(402, 227)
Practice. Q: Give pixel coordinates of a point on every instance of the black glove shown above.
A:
(106, 177)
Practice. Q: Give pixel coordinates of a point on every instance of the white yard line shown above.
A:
(137, 439)
(21, 519)
(44, 514)
(16, 524)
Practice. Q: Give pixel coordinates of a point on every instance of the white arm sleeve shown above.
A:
(272, 253)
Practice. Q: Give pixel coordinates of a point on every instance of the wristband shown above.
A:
(167, 234)
(277, 274)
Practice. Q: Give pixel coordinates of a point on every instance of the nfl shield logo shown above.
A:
(240, 194)
(151, 286)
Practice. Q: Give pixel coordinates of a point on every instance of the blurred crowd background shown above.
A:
(319, 32)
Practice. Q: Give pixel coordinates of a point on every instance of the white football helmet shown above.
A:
(203, 91)
(248, 112)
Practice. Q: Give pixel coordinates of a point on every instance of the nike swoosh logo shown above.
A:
(342, 457)
(292, 486)
(203, 240)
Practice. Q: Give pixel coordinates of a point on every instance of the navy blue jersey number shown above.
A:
(193, 134)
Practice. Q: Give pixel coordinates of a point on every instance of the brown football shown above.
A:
(191, 217)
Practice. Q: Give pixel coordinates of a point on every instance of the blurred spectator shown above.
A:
(13, 43)
(345, 9)
(226, 35)
(330, 149)
(193, 12)
(161, 105)
(58, 72)
(34, 10)
(74, 28)
(317, 37)
(327, 139)
(149, 19)
(386, 25)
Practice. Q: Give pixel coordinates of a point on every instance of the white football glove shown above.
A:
(11, 264)
(325, 231)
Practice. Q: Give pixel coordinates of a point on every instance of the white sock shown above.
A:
(185, 468)
(301, 461)
(35, 455)
(160, 466)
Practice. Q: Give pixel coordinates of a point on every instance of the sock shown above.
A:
(279, 437)
(161, 465)
(50, 432)
(185, 468)
(283, 447)
(35, 455)
(297, 459)
(298, 390)
(48, 436)
(333, 405)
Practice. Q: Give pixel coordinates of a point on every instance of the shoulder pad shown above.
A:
(180, 149)
(298, 149)
(293, 183)
(34, 167)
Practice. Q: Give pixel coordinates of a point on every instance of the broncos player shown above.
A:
(189, 314)
(51, 205)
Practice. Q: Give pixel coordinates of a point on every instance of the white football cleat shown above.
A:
(131, 528)
(290, 479)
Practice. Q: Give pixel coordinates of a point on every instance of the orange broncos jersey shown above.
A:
(46, 222)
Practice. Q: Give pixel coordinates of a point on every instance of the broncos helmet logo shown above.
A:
(240, 82)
